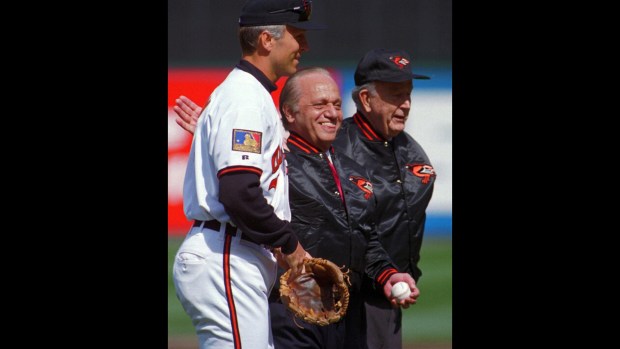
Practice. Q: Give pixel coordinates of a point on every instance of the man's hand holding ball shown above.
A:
(401, 290)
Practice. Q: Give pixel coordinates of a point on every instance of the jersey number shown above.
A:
(276, 161)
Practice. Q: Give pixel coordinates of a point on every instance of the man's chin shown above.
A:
(396, 129)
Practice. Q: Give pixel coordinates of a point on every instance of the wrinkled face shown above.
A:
(319, 114)
(389, 108)
(287, 51)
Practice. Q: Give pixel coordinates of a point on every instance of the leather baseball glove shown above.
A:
(319, 295)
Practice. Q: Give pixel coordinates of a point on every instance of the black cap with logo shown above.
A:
(295, 13)
(385, 65)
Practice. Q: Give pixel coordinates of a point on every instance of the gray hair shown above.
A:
(291, 92)
(355, 94)
(248, 36)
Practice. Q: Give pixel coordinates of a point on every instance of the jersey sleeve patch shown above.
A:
(247, 141)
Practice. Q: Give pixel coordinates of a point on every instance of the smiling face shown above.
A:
(388, 108)
(318, 115)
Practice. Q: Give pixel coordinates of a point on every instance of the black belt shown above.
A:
(215, 225)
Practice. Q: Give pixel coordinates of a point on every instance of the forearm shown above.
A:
(379, 265)
(243, 200)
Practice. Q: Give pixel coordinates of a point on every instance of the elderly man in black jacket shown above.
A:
(374, 137)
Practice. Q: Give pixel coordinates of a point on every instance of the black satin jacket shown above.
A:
(324, 226)
(403, 184)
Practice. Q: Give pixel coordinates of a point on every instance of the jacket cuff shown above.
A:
(384, 275)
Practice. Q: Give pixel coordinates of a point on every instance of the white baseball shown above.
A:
(401, 290)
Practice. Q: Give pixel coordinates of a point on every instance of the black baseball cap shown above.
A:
(273, 12)
(385, 65)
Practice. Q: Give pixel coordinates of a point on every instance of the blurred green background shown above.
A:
(427, 322)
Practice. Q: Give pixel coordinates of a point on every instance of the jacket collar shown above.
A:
(298, 143)
(366, 128)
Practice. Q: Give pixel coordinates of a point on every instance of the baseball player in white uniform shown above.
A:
(236, 187)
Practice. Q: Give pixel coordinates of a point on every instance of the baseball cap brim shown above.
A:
(307, 25)
(395, 77)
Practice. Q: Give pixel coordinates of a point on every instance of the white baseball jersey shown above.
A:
(240, 130)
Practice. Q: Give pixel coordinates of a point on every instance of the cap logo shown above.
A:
(401, 62)
(307, 8)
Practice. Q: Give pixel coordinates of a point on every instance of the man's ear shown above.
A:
(288, 114)
(364, 96)
(266, 41)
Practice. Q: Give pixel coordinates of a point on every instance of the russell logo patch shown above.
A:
(363, 184)
(246, 140)
(423, 171)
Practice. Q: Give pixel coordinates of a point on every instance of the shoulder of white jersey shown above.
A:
(241, 91)
(240, 85)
